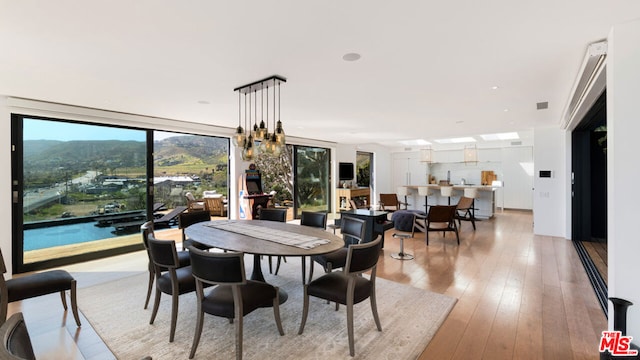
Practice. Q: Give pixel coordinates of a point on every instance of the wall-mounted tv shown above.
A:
(345, 171)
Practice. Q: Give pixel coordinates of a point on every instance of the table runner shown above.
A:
(274, 235)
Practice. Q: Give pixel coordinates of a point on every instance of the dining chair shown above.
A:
(233, 297)
(183, 257)
(16, 342)
(175, 281)
(272, 214)
(353, 231)
(189, 218)
(389, 202)
(464, 211)
(316, 220)
(439, 218)
(348, 287)
(34, 285)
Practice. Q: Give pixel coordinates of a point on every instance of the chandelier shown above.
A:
(268, 142)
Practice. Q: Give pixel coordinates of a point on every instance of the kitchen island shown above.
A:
(484, 203)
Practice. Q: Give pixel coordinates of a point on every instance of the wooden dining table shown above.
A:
(207, 234)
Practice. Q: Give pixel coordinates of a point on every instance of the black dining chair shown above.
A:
(189, 218)
(183, 258)
(175, 281)
(271, 214)
(352, 230)
(348, 287)
(233, 297)
(316, 220)
(16, 342)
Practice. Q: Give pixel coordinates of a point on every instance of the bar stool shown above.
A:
(472, 193)
(426, 192)
(446, 191)
(403, 191)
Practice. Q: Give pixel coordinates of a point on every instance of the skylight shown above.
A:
(417, 142)
(501, 136)
(456, 140)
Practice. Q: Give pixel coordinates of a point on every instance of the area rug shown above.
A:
(409, 317)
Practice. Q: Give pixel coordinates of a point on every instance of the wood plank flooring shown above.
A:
(520, 296)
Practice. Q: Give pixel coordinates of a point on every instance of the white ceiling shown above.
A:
(426, 71)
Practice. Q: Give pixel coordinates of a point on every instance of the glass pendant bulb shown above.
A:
(239, 137)
(262, 130)
(248, 149)
(280, 137)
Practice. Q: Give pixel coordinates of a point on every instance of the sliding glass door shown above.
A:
(80, 190)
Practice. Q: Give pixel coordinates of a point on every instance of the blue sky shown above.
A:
(63, 131)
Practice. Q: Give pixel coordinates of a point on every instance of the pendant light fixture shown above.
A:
(279, 130)
(239, 136)
(270, 143)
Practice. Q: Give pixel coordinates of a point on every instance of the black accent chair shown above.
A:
(348, 287)
(312, 219)
(464, 211)
(233, 297)
(183, 257)
(189, 218)
(352, 230)
(175, 281)
(16, 343)
(440, 218)
(38, 284)
(271, 214)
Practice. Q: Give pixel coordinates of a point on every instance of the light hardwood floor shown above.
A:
(520, 296)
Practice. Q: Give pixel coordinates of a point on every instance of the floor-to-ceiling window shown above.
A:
(312, 180)
(364, 166)
(80, 190)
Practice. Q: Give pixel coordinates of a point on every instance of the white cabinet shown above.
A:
(517, 167)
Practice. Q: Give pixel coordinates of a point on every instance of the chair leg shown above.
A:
(305, 310)
(156, 305)
(149, 288)
(350, 326)
(239, 327)
(278, 265)
(374, 308)
(311, 266)
(74, 303)
(276, 312)
(174, 315)
(427, 236)
(304, 269)
(196, 336)
(4, 304)
(63, 297)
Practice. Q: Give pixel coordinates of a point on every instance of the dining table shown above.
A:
(265, 238)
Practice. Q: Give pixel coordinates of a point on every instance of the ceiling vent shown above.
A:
(542, 105)
(516, 143)
(589, 84)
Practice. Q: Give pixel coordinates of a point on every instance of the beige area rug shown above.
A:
(409, 317)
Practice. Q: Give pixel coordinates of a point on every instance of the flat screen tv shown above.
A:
(345, 171)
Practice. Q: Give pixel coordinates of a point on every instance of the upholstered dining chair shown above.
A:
(189, 218)
(316, 220)
(272, 214)
(16, 342)
(34, 285)
(175, 281)
(348, 287)
(183, 257)
(439, 218)
(352, 230)
(233, 297)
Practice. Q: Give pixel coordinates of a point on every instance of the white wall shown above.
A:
(549, 196)
(623, 129)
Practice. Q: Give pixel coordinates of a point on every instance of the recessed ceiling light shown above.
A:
(495, 87)
(501, 136)
(506, 110)
(351, 57)
(456, 140)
